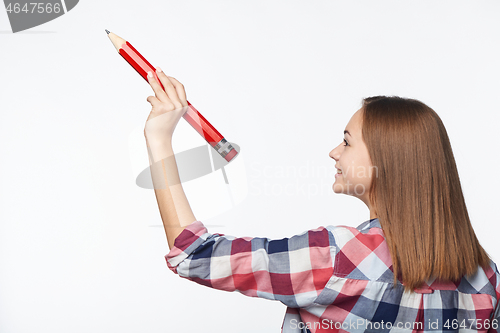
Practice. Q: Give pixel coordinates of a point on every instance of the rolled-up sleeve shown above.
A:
(292, 270)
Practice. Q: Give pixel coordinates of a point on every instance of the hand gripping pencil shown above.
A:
(193, 117)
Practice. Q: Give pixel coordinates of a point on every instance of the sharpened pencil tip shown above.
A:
(107, 31)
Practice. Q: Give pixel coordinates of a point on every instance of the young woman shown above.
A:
(414, 266)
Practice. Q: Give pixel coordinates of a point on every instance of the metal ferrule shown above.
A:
(223, 147)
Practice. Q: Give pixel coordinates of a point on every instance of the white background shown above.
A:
(81, 249)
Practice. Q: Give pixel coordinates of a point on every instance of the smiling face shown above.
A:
(352, 159)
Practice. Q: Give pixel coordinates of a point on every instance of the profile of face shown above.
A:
(352, 159)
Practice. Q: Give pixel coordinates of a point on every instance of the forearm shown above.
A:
(174, 207)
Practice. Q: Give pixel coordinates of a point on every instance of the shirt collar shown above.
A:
(372, 223)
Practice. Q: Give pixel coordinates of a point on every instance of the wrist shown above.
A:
(154, 138)
(159, 149)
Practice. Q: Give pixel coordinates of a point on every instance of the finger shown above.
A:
(155, 102)
(169, 87)
(181, 92)
(159, 92)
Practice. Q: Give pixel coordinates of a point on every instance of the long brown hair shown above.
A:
(416, 193)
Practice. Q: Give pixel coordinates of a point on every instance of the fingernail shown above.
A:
(150, 74)
(158, 69)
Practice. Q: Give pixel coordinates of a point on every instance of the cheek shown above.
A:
(364, 172)
(356, 167)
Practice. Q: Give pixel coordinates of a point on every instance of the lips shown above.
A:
(339, 173)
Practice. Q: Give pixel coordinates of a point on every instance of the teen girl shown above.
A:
(415, 265)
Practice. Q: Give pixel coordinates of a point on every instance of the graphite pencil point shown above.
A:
(107, 31)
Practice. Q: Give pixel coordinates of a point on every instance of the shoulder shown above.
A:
(483, 281)
(362, 252)
(368, 234)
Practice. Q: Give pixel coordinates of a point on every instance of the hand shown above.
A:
(168, 106)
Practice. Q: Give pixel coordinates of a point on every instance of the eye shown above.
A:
(346, 143)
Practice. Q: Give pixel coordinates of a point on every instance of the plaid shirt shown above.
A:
(336, 279)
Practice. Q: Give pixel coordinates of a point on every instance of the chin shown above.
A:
(337, 188)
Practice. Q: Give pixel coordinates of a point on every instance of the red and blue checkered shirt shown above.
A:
(336, 279)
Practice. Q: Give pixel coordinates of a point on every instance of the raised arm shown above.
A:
(168, 107)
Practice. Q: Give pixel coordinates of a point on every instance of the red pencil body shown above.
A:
(192, 116)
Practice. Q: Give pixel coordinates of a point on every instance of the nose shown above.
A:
(336, 152)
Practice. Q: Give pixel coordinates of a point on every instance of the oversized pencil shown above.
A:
(192, 116)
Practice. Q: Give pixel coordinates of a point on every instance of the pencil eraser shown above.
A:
(231, 154)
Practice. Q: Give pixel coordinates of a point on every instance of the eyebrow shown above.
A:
(347, 133)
